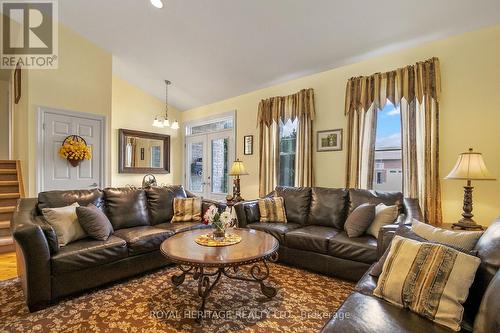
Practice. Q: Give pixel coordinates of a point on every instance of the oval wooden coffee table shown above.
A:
(205, 263)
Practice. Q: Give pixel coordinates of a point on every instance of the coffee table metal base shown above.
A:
(208, 277)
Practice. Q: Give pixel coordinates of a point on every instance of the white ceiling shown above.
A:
(215, 49)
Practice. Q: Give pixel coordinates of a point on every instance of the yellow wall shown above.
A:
(134, 109)
(470, 114)
(81, 83)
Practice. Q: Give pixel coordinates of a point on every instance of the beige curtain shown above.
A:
(361, 148)
(417, 90)
(298, 106)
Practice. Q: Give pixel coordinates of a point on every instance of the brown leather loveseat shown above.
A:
(141, 222)
(314, 236)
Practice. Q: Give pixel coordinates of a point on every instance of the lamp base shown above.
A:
(467, 224)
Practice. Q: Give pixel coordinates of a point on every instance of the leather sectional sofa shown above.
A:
(362, 312)
(314, 236)
(141, 222)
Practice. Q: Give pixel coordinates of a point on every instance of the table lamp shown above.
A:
(470, 166)
(237, 170)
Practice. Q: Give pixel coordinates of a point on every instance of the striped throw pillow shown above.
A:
(463, 240)
(272, 210)
(432, 280)
(187, 210)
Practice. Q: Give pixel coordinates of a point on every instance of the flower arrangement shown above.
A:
(220, 221)
(75, 149)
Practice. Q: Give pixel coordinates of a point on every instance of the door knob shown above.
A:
(93, 185)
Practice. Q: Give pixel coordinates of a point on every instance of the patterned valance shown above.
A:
(410, 82)
(285, 108)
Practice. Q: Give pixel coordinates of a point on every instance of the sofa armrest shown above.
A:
(34, 255)
(385, 236)
(247, 212)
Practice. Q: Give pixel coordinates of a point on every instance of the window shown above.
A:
(288, 144)
(388, 155)
(156, 157)
(210, 126)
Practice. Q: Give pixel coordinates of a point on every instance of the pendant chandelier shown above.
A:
(161, 121)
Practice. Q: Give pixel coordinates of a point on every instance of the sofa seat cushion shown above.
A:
(87, 253)
(143, 239)
(181, 226)
(367, 314)
(311, 238)
(278, 230)
(362, 249)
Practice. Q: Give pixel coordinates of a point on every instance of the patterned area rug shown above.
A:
(150, 303)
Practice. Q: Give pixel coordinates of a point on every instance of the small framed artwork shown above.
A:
(17, 83)
(248, 145)
(330, 140)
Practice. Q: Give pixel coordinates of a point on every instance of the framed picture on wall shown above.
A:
(248, 145)
(330, 140)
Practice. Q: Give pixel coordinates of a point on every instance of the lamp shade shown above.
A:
(470, 166)
(238, 169)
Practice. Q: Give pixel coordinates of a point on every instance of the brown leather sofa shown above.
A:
(314, 236)
(141, 222)
(364, 313)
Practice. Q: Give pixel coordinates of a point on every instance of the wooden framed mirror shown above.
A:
(143, 152)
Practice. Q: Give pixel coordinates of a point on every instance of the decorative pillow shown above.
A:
(272, 210)
(383, 215)
(432, 280)
(359, 220)
(65, 223)
(403, 232)
(187, 210)
(94, 222)
(462, 240)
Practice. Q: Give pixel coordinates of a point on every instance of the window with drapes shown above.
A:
(286, 141)
(416, 91)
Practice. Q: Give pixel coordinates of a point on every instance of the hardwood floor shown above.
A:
(8, 269)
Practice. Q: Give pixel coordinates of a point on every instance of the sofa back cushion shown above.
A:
(358, 197)
(328, 207)
(488, 250)
(161, 202)
(56, 199)
(297, 203)
(126, 207)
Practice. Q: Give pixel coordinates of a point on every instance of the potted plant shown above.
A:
(220, 221)
(74, 149)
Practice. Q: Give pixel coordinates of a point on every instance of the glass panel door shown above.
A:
(195, 166)
(221, 150)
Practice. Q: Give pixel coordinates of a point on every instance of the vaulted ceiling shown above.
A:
(215, 49)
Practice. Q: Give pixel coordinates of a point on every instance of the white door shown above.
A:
(56, 172)
(209, 158)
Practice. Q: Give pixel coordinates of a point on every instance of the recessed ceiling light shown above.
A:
(157, 3)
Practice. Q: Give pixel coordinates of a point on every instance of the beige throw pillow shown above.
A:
(383, 215)
(272, 210)
(432, 280)
(464, 240)
(65, 223)
(187, 210)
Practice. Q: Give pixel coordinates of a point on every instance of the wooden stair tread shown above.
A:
(8, 171)
(4, 224)
(8, 209)
(9, 195)
(6, 240)
(8, 182)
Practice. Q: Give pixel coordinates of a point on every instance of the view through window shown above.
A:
(288, 145)
(388, 170)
